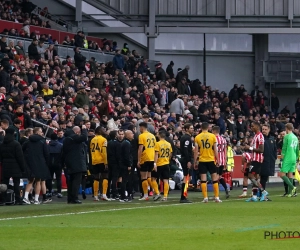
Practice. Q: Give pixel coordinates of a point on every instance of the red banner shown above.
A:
(58, 35)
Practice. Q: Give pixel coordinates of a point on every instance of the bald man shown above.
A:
(75, 159)
(126, 165)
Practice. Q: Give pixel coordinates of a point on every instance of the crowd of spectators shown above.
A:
(63, 93)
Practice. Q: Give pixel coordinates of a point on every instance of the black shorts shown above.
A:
(205, 167)
(98, 169)
(220, 170)
(246, 172)
(255, 167)
(147, 166)
(185, 170)
(163, 172)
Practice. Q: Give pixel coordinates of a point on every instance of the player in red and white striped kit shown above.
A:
(257, 149)
(222, 155)
(246, 159)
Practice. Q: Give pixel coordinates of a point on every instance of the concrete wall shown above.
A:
(222, 70)
(57, 8)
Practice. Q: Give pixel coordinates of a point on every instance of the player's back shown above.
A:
(164, 150)
(206, 141)
(148, 141)
(96, 148)
(290, 148)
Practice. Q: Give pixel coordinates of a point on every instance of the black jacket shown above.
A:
(160, 74)
(55, 150)
(37, 156)
(79, 60)
(114, 153)
(135, 147)
(11, 157)
(33, 52)
(170, 71)
(126, 154)
(75, 152)
(186, 149)
(5, 80)
(270, 156)
(241, 127)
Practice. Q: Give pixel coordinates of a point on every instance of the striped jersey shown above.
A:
(221, 145)
(247, 156)
(258, 140)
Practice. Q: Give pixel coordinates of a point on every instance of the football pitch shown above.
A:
(233, 224)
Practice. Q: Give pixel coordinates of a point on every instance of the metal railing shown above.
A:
(283, 70)
(43, 14)
(44, 126)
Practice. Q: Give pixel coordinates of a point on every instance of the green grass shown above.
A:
(233, 224)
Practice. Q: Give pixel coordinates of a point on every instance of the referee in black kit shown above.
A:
(186, 160)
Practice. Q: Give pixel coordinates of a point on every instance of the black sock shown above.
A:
(223, 183)
(119, 187)
(182, 191)
(44, 197)
(286, 188)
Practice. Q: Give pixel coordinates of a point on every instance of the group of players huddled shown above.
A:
(114, 162)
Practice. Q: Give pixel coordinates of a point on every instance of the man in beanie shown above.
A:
(169, 70)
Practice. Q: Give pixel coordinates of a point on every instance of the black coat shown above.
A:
(75, 152)
(126, 154)
(241, 127)
(55, 151)
(160, 74)
(36, 154)
(270, 156)
(11, 157)
(113, 153)
(170, 71)
(79, 60)
(33, 52)
(5, 80)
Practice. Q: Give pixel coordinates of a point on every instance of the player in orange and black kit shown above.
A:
(99, 162)
(146, 154)
(186, 160)
(206, 144)
(163, 154)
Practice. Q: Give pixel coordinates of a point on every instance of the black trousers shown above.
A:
(131, 178)
(73, 183)
(124, 172)
(16, 187)
(57, 172)
(114, 175)
(263, 180)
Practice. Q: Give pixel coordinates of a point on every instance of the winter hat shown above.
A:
(53, 137)
(10, 131)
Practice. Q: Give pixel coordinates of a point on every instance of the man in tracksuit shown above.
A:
(126, 164)
(113, 158)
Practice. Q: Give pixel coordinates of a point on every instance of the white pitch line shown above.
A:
(101, 211)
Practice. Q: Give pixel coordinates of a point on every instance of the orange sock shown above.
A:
(204, 189)
(166, 189)
(104, 186)
(145, 187)
(216, 189)
(155, 187)
(96, 188)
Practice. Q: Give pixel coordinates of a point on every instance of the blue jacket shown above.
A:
(118, 62)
